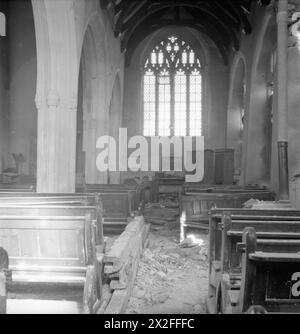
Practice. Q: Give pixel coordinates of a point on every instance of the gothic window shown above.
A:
(172, 100)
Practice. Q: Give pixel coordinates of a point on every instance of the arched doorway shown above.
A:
(236, 112)
(115, 121)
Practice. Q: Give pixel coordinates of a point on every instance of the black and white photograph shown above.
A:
(149, 160)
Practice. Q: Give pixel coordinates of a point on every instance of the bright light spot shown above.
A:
(182, 228)
(196, 240)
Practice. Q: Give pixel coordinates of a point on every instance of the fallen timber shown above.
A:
(121, 263)
(254, 260)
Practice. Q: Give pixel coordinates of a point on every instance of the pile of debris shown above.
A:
(159, 216)
(163, 270)
(169, 201)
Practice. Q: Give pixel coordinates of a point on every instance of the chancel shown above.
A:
(149, 158)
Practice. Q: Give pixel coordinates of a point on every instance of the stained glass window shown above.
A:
(172, 90)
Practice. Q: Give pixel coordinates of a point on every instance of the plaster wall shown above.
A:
(22, 72)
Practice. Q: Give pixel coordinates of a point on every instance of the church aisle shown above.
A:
(172, 277)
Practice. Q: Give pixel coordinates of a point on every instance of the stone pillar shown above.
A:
(57, 94)
(56, 145)
(282, 96)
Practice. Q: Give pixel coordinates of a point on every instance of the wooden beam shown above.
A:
(124, 14)
(227, 12)
(237, 9)
(224, 30)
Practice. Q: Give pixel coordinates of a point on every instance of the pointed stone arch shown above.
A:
(258, 130)
(115, 120)
(61, 29)
(236, 109)
(94, 103)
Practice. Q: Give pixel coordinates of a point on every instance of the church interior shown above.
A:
(89, 84)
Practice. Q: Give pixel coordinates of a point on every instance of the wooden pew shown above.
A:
(195, 188)
(269, 279)
(17, 190)
(48, 247)
(194, 209)
(18, 187)
(115, 208)
(116, 194)
(50, 199)
(278, 230)
(215, 221)
(170, 186)
(275, 236)
(59, 210)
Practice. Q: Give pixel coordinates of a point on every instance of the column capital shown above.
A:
(38, 102)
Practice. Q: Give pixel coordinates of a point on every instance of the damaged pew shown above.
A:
(121, 264)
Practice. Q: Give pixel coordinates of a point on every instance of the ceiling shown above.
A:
(220, 20)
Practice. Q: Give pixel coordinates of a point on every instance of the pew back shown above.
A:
(280, 236)
(194, 209)
(61, 211)
(269, 279)
(48, 249)
(134, 192)
(250, 216)
(117, 204)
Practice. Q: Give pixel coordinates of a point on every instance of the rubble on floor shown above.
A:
(171, 279)
(160, 216)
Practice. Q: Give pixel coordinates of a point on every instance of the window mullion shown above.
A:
(156, 104)
(172, 83)
(188, 106)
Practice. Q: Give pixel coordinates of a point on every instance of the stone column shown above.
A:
(282, 96)
(56, 145)
(57, 95)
